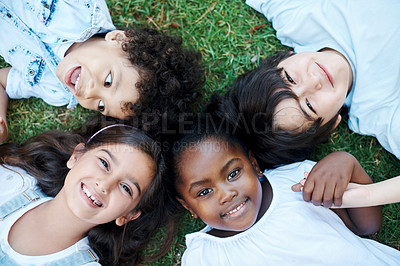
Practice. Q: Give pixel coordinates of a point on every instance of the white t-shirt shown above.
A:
(291, 232)
(367, 33)
(13, 184)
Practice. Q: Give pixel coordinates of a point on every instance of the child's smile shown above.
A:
(91, 198)
(220, 186)
(72, 79)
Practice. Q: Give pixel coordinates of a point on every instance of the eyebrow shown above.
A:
(198, 183)
(111, 156)
(307, 116)
(116, 162)
(284, 73)
(223, 169)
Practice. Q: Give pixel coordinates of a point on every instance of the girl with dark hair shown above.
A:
(253, 218)
(70, 201)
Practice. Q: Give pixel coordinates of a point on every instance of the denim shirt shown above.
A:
(34, 38)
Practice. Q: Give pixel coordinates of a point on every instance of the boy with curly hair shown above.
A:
(67, 52)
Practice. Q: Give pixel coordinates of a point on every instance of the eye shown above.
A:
(289, 78)
(105, 164)
(204, 192)
(127, 189)
(310, 106)
(233, 174)
(101, 106)
(108, 81)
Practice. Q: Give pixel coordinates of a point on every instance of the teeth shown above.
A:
(235, 210)
(90, 196)
(76, 82)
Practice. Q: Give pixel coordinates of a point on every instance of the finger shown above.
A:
(308, 189)
(328, 196)
(317, 194)
(297, 187)
(338, 195)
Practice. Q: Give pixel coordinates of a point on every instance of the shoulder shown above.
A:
(14, 181)
(290, 173)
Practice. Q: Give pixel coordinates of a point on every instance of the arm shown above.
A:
(365, 220)
(3, 103)
(327, 182)
(384, 192)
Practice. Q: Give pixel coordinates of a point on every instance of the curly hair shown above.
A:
(45, 157)
(170, 76)
(250, 108)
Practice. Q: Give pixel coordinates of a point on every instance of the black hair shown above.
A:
(171, 77)
(45, 157)
(202, 128)
(250, 106)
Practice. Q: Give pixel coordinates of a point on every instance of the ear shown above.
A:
(338, 119)
(254, 163)
(187, 207)
(78, 151)
(116, 35)
(130, 217)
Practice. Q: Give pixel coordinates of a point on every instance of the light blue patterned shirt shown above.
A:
(34, 38)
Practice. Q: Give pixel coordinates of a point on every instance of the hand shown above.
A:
(3, 130)
(328, 179)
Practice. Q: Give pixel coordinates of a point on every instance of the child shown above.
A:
(107, 198)
(117, 73)
(344, 54)
(252, 220)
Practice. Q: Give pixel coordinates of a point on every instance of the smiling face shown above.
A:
(106, 183)
(100, 76)
(219, 184)
(320, 80)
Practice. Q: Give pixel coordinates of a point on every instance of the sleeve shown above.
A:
(92, 264)
(14, 181)
(34, 83)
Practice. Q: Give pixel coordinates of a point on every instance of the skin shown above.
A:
(109, 176)
(107, 78)
(3, 104)
(219, 184)
(327, 182)
(384, 192)
(321, 81)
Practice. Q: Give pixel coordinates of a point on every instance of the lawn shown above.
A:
(232, 39)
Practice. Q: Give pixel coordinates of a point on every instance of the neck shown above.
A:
(63, 226)
(266, 198)
(55, 229)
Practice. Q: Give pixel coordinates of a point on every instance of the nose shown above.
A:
(103, 185)
(226, 194)
(310, 84)
(90, 90)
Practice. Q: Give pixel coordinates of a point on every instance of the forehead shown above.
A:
(126, 92)
(295, 58)
(289, 116)
(206, 157)
(130, 161)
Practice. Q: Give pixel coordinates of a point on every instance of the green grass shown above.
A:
(232, 38)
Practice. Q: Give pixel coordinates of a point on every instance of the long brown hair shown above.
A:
(45, 157)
